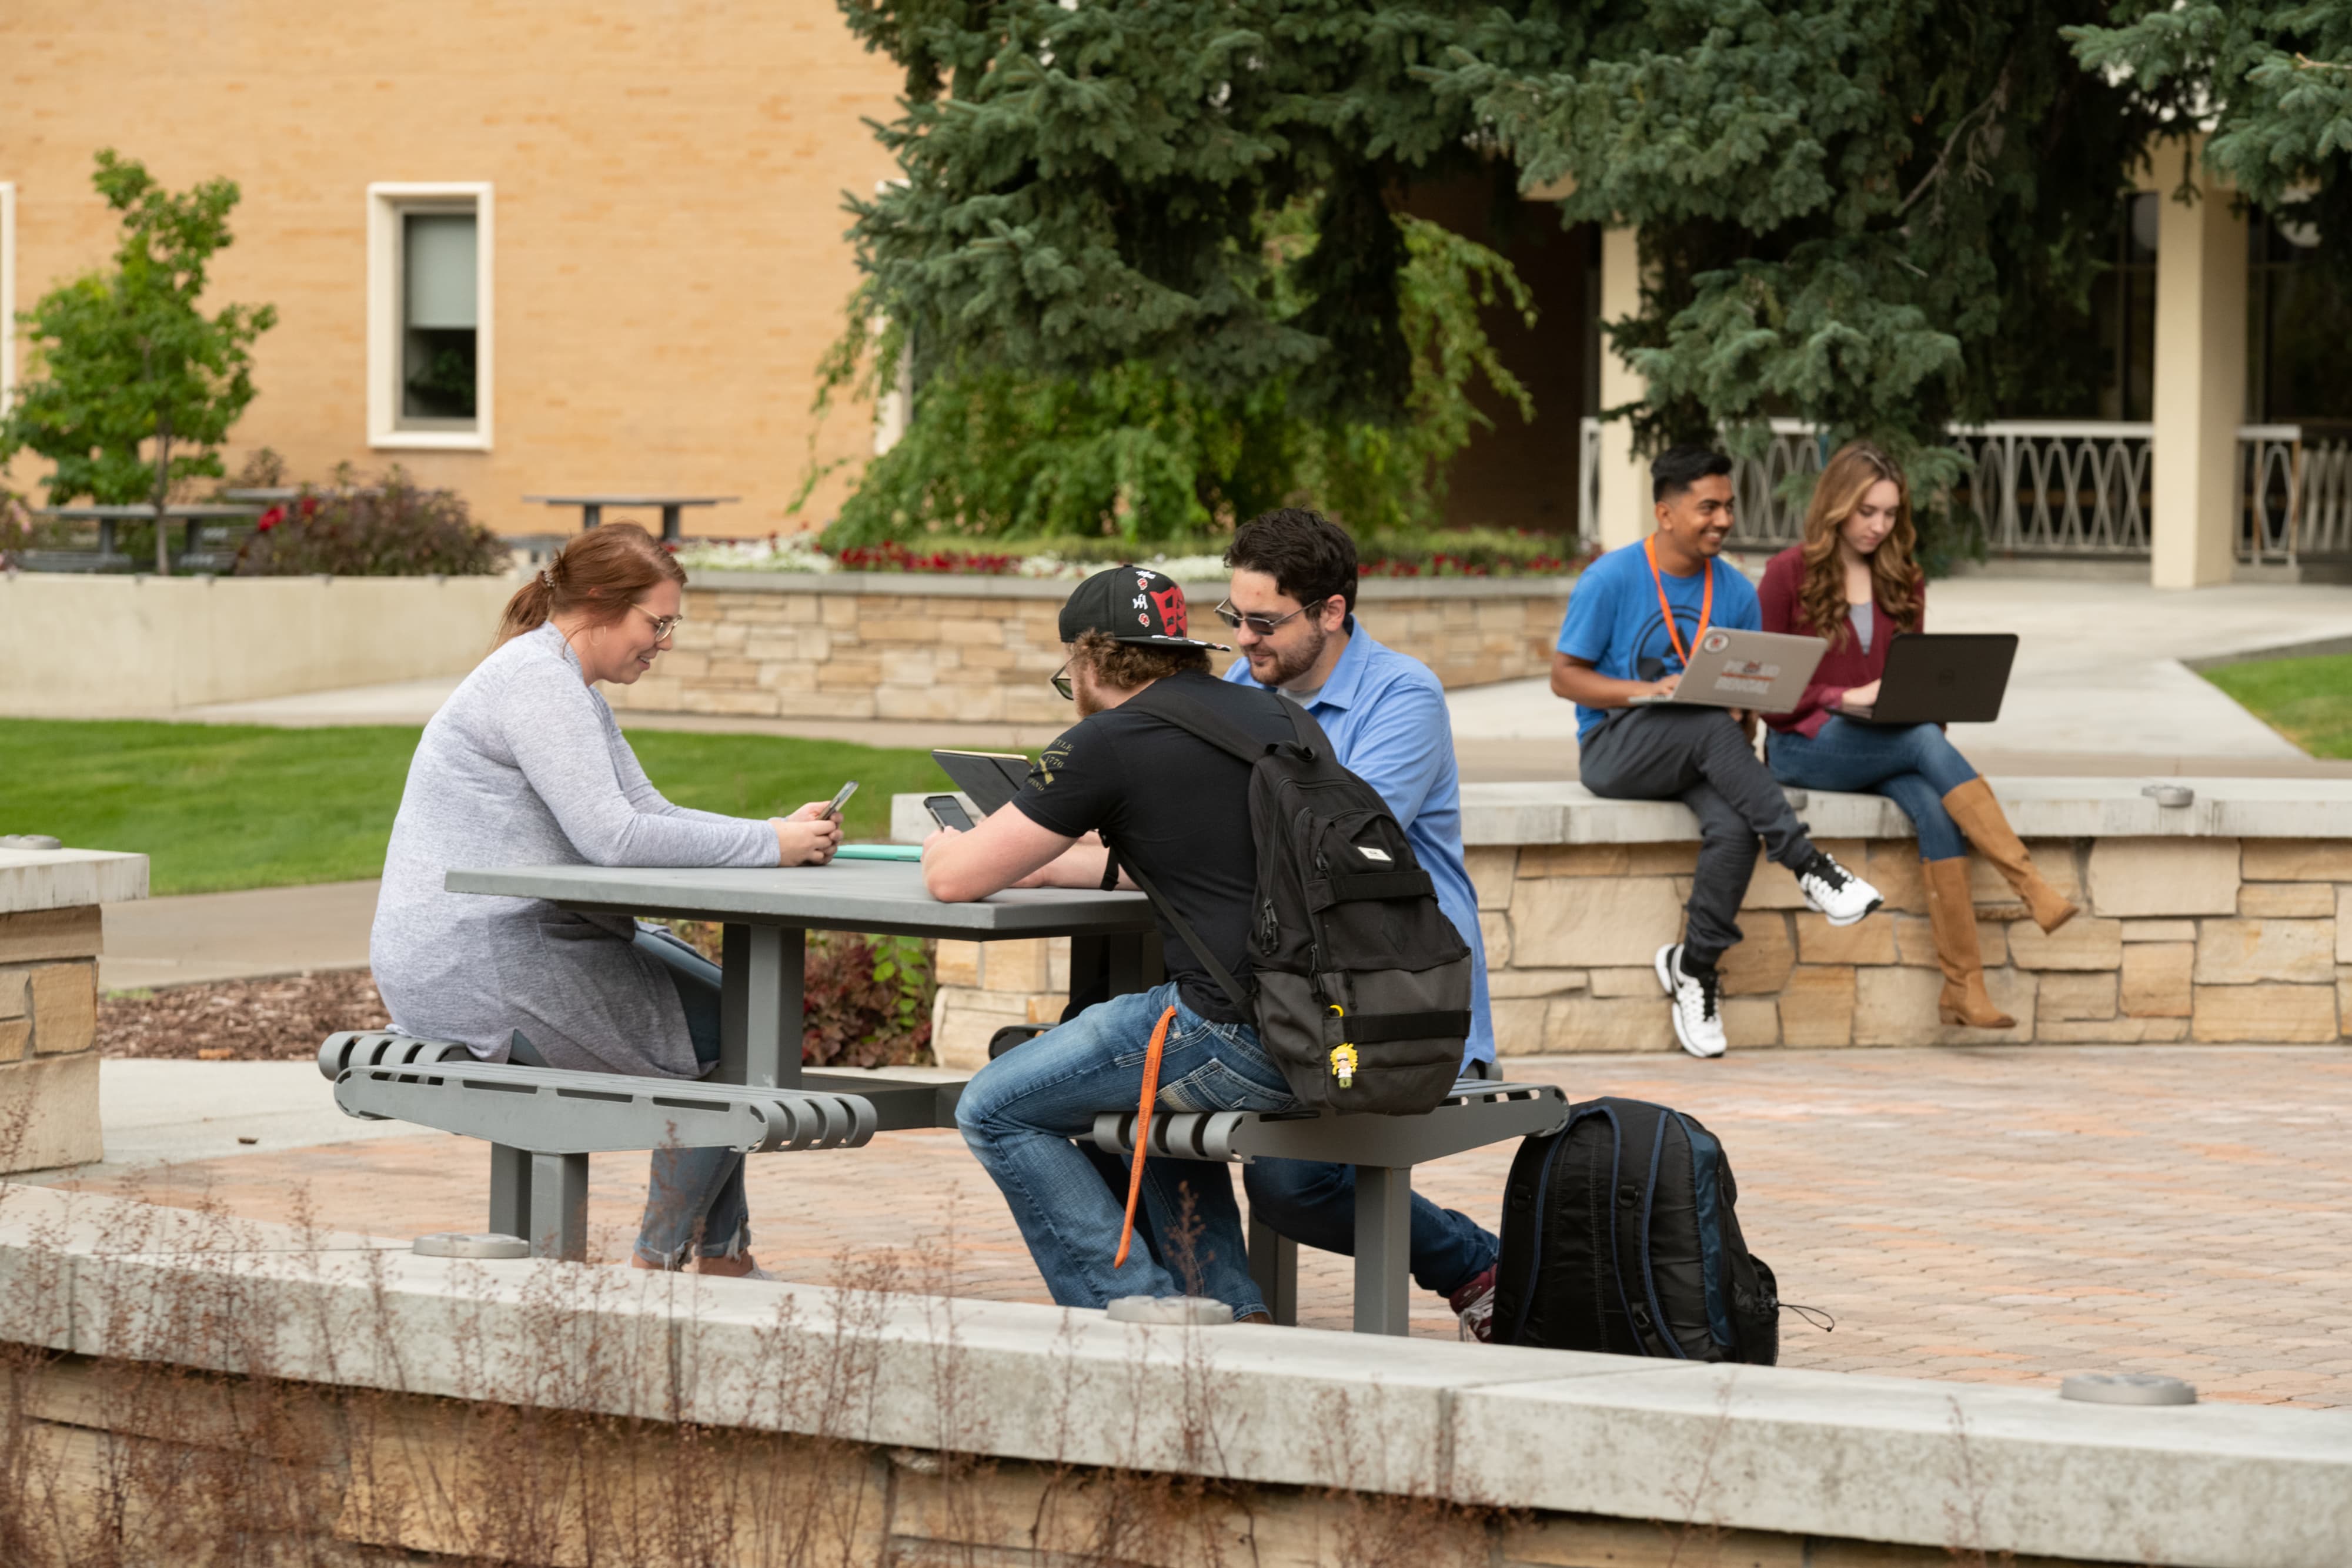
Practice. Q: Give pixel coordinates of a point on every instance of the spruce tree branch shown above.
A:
(1994, 101)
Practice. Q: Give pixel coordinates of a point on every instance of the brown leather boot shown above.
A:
(1952, 916)
(1972, 806)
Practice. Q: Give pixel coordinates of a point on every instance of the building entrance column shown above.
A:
(1624, 487)
(2200, 383)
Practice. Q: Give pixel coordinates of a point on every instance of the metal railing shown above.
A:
(2035, 487)
(2295, 490)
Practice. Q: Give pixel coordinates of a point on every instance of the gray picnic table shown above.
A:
(591, 507)
(542, 1123)
(195, 516)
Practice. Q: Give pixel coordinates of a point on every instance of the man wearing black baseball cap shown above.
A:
(1176, 809)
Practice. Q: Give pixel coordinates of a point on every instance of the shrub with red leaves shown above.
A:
(865, 1002)
(892, 556)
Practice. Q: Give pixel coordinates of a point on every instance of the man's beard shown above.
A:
(1289, 663)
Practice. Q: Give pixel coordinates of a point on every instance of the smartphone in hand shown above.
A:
(948, 812)
(832, 814)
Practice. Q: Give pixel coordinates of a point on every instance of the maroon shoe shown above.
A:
(1474, 1304)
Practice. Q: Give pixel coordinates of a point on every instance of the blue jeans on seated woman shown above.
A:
(695, 1201)
(1911, 764)
(1021, 1113)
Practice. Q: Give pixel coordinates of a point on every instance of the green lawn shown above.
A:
(219, 807)
(2309, 701)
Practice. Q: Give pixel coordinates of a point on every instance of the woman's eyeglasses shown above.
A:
(662, 625)
(1061, 682)
(1264, 625)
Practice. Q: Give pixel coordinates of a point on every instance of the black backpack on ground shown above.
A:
(1619, 1234)
(1362, 985)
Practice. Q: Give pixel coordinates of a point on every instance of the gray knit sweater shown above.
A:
(525, 766)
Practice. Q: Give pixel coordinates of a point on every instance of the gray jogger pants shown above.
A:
(1700, 756)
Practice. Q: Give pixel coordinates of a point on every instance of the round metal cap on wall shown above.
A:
(2126, 1388)
(469, 1244)
(30, 842)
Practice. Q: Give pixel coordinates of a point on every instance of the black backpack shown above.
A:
(1619, 1234)
(1362, 984)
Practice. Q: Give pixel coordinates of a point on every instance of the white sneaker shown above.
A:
(1698, 1021)
(1836, 892)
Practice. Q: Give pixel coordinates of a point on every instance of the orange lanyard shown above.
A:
(1706, 601)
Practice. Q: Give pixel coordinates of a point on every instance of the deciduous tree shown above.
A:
(133, 386)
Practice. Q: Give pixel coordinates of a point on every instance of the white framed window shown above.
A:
(428, 300)
(8, 293)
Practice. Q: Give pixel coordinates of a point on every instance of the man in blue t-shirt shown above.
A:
(1631, 619)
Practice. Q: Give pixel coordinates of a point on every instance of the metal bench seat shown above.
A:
(1383, 1149)
(544, 1123)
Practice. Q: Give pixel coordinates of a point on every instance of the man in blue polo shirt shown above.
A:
(1633, 619)
(1291, 605)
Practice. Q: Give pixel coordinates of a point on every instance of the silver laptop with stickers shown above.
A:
(1763, 672)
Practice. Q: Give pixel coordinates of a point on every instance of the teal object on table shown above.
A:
(878, 852)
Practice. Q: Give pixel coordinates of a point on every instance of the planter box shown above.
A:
(120, 647)
(2230, 920)
(877, 645)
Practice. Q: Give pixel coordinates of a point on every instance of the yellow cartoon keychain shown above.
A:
(1343, 1056)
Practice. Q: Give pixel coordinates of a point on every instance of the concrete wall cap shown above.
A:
(2038, 808)
(1827, 1454)
(954, 585)
(66, 879)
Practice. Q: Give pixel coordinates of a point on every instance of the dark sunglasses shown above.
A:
(1061, 681)
(1264, 625)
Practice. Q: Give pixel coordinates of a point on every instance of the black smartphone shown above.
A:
(948, 812)
(831, 812)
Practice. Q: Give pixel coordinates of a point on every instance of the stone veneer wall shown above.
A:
(869, 645)
(2209, 939)
(49, 1020)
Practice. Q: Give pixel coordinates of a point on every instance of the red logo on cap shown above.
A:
(1172, 610)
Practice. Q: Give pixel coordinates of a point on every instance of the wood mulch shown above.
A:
(278, 1019)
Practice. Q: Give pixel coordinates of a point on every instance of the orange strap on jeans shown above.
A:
(1706, 601)
(1143, 1131)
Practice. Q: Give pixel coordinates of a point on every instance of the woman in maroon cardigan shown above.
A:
(1853, 581)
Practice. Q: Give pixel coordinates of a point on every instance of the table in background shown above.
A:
(591, 507)
(106, 517)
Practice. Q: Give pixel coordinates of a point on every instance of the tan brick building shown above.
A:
(648, 197)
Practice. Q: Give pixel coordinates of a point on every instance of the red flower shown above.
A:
(269, 520)
(309, 507)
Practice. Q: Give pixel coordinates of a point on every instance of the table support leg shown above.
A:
(510, 1191)
(1384, 1247)
(670, 521)
(761, 972)
(559, 1207)
(1274, 1265)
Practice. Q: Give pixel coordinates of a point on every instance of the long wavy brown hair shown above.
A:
(1894, 576)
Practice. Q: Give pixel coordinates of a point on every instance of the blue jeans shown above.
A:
(695, 1200)
(1314, 1203)
(1022, 1112)
(1911, 765)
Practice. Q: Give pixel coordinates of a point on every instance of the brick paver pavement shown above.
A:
(2006, 1215)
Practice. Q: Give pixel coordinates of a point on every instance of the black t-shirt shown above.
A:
(1178, 808)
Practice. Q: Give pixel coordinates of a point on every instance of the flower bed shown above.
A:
(1478, 552)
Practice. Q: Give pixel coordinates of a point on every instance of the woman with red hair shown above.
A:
(524, 765)
(1854, 582)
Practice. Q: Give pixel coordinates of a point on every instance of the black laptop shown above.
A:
(1942, 677)
(990, 778)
